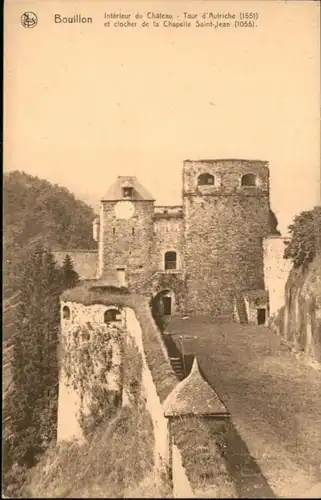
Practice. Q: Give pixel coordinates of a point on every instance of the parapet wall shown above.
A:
(153, 404)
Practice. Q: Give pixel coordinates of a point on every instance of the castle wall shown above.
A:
(153, 404)
(181, 485)
(143, 387)
(168, 236)
(276, 272)
(74, 399)
(217, 233)
(227, 175)
(127, 243)
(69, 404)
(298, 322)
(224, 226)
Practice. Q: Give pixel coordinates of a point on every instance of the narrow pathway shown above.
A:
(248, 478)
(274, 400)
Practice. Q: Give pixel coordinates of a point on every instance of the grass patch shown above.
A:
(199, 443)
(133, 369)
(117, 459)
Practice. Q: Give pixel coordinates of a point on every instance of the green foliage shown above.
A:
(200, 442)
(14, 481)
(115, 460)
(31, 407)
(117, 456)
(87, 359)
(132, 382)
(69, 277)
(36, 211)
(305, 236)
(155, 351)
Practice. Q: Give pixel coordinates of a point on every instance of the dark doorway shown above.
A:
(111, 315)
(161, 306)
(261, 316)
(167, 306)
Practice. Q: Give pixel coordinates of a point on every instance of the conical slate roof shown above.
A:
(194, 396)
(115, 193)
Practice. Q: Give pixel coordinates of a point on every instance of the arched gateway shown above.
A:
(163, 303)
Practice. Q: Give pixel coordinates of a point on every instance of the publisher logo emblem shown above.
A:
(29, 20)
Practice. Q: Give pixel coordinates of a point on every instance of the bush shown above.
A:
(199, 442)
(30, 407)
(87, 360)
(305, 237)
(117, 458)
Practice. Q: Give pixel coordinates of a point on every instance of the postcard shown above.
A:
(162, 249)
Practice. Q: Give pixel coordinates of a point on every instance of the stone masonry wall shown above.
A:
(224, 229)
(276, 272)
(167, 454)
(73, 400)
(181, 485)
(298, 322)
(168, 236)
(169, 472)
(127, 243)
(153, 403)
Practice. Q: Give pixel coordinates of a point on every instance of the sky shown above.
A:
(85, 103)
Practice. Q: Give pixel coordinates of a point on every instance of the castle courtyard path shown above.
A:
(275, 403)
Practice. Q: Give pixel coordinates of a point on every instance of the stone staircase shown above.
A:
(175, 356)
(240, 305)
(177, 365)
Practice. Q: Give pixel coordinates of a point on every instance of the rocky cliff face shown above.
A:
(299, 321)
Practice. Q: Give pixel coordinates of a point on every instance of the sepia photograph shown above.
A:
(161, 249)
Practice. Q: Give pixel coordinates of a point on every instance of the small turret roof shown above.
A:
(194, 396)
(114, 193)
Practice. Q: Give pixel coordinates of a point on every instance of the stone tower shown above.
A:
(126, 233)
(226, 215)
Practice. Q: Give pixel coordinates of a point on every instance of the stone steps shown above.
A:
(240, 304)
(178, 368)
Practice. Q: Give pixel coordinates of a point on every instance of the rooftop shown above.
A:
(115, 193)
(194, 396)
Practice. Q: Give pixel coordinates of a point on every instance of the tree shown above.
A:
(26, 366)
(36, 210)
(305, 237)
(31, 409)
(51, 285)
(69, 276)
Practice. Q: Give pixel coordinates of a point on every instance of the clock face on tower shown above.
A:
(124, 209)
